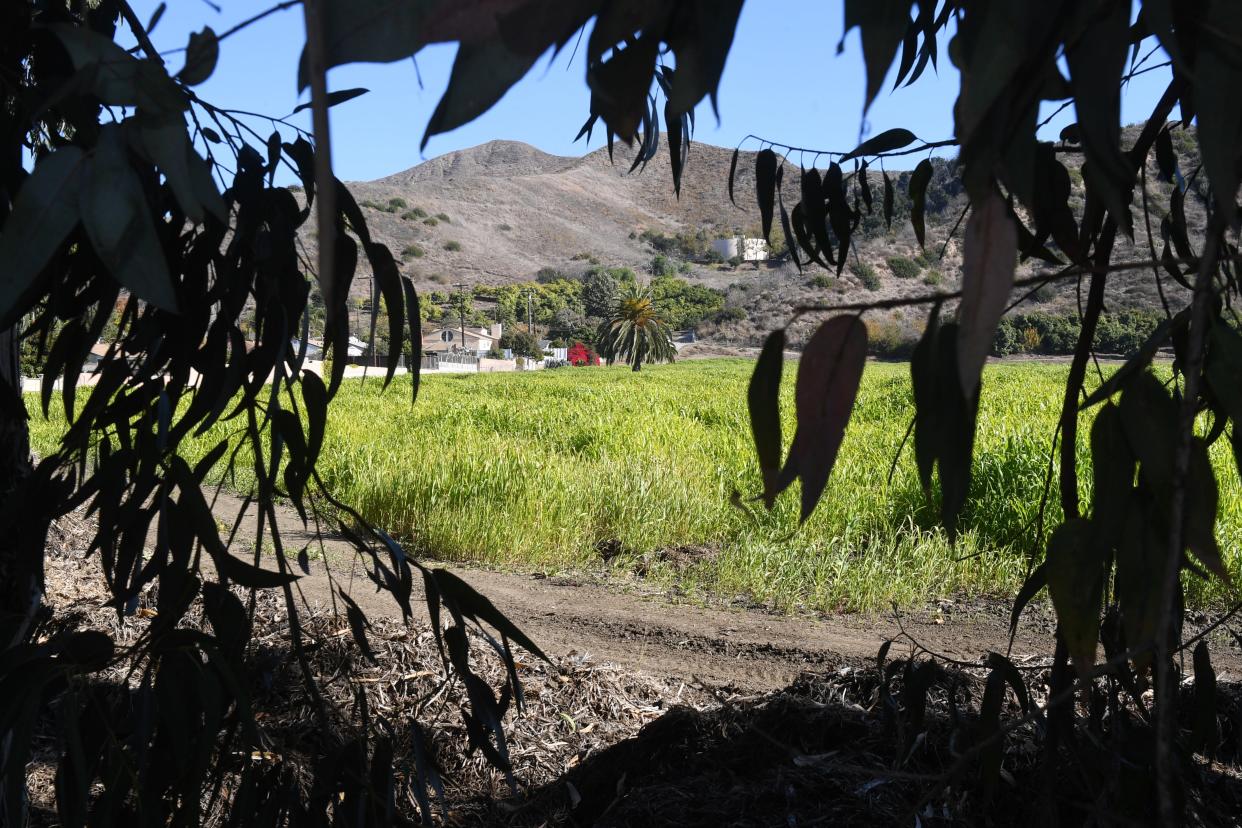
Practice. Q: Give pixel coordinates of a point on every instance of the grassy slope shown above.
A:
(536, 469)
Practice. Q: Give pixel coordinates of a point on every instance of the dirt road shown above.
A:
(719, 646)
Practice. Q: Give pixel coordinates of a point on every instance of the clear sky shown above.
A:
(783, 80)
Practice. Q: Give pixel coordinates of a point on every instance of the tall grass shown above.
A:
(540, 469)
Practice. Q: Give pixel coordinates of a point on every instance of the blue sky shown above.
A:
(783, 80)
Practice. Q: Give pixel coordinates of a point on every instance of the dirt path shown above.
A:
(717, 646)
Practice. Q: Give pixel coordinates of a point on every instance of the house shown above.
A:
(449, 339)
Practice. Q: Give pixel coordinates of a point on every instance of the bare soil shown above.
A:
(606, 620)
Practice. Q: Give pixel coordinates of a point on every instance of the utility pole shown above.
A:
(461, 310)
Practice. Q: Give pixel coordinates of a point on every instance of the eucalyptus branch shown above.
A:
(1070, 272)
(789, 149)
(140, 32)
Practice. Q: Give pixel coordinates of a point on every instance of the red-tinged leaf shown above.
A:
(765, 188)
(1075, 568)
(828, 376)
(763, 400)
(990, 254)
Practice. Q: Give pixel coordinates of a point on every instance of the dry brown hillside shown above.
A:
(501, 211)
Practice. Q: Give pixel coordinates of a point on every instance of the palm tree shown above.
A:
(635, 333)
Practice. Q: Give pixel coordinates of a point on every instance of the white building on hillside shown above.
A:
(748, 250)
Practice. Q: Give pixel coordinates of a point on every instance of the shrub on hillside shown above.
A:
(865, 273)
(932, 278)
(888, 339)
(732, 313)
(452, 246)
(1121, 333)
(416, 213)
(822, 281)
(431, 221)
(396, 204)
(903, 268)
(412, 251)
(444, 218)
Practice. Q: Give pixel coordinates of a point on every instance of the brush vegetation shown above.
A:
(542, 470)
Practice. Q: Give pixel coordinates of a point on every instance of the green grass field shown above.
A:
(536, 470)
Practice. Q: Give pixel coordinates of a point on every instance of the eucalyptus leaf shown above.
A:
(1075, 567)
(44, 213)
(118, 221)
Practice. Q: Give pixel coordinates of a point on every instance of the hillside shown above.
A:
(500, 212)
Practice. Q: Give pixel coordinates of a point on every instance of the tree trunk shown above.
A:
(21, 553)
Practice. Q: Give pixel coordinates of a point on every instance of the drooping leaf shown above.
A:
(1218, 98)
(482, 74)
(339, 96)
(1137, 363)
(864, 187)
(733, 173)
(765, 188)
(1166, 160)
(989, 256)
(414, 320)
(1205, 732)
(1149, 417)
(957, 415)
(925, 384)
(166, 143)
(1097, 59)
(888, 200)
(763, 400)
(886, 141)
(672, 123)
(883, 24)
(1037, 580)
(358, 625)
(988, 734)
(791, 239)
(42, 216)
(118, 221)
(815, 213)
(117, 77)
(200, 57)
(1075, 568)
(1112, 471)
(1201, 501)
(1139, 584)
(828, 377)
(919, 179)
(467, 600)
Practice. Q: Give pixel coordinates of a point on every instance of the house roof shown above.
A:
(475, 332)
